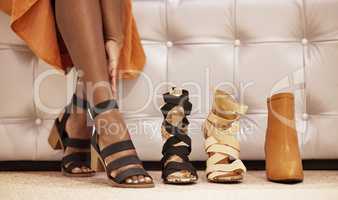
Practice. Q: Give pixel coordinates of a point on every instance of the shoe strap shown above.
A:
(173, 130)
(225, 137)
(214, 170)
(116, 148)
(171, 101)
(78, 102)
(173, 167)
(103, 107)
(120, 162)
(61, 125)
(78, 159)
(77, 143)
(124, 161)
(218, 121)
(170, 148)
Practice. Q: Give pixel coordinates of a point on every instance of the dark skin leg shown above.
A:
(81, 27)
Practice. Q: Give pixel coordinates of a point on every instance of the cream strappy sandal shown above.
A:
(220, 129)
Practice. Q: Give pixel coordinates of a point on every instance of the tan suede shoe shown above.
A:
(283, 161)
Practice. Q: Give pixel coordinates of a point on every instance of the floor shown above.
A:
(52, 185)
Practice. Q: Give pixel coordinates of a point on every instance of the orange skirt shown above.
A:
(34, 22)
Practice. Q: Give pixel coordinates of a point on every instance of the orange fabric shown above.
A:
(34, 22)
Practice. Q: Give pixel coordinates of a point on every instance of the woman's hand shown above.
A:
(113, 53)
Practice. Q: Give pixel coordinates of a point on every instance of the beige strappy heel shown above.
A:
(221, 144)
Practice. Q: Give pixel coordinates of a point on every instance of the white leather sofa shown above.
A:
(256, 47)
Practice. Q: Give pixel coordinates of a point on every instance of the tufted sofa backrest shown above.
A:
(252, 48)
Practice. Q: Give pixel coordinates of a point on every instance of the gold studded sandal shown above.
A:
(176, 167)
(221, 144)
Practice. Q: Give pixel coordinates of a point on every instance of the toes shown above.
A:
(148, 180)
(85, 169)
(135, 180)
(76, 170)
(129, 181)
(141, 179)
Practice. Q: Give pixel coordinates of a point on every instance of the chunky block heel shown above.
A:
(96, 162)
(54, 140)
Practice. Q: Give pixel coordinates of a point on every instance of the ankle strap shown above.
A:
(172, 101)
(82, 103)
(78, 102)
(103, 107)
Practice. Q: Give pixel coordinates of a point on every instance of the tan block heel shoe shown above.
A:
(283, 160)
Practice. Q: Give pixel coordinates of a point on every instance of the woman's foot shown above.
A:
(111, 129)
(76, 127)
(71, 134)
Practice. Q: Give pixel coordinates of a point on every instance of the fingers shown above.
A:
(113, 53)
(114, 80)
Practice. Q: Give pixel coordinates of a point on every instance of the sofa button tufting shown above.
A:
(305, 116)
(38, 121)
(305, 41)
(170, 44)
(237, 42)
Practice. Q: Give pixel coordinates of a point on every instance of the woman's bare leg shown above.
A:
(80, 24)
(112, 12)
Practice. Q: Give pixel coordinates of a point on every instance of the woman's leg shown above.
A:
(112, 12)
(112, 15)
(80, 24)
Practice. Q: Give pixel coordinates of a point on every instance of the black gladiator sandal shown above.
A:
(59, 139)
(174, 129)
(99, 155)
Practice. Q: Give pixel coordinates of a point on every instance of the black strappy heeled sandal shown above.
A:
(98, 156)
(178, 143)
(59, 139)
